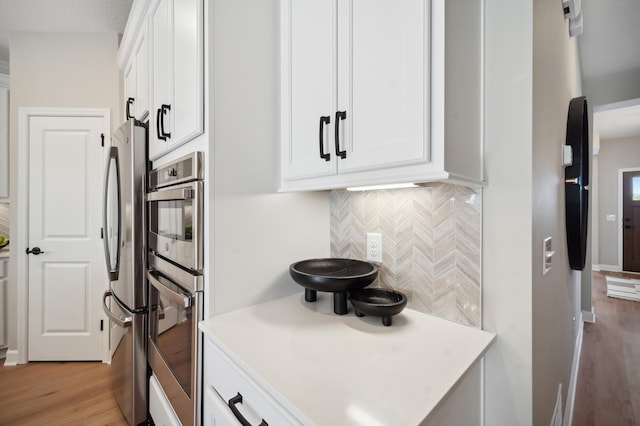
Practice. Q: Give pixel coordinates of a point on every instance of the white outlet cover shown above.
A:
(374, 247)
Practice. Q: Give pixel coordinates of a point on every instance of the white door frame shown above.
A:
(620, 218)
(22, 201)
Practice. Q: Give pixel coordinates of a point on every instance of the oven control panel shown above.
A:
(184, 169)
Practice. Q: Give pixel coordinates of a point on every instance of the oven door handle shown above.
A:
(171, 194)
(122, 322)
(166, 291)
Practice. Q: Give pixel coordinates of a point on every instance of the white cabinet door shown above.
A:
(130, 81)
(383, 83)
(161, 48)
(308, 88)
(177, 45)
(188, 69)
(141, 55)
(363, 65)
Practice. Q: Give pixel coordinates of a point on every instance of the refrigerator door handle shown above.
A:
(122, 322)
(113, 270)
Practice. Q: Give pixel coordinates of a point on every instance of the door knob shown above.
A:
(35, 251)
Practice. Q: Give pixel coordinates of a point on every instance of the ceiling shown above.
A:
(610, 43)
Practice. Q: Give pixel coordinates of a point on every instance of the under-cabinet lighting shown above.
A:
(389, 186)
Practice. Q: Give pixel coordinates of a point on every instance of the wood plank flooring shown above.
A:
(608, 385)
(57, 393)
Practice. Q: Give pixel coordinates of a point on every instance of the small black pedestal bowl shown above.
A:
(334, 275)
(378, 302)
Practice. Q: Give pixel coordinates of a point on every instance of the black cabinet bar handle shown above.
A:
(164, 108)
(158, 131)
(324, 120)
(340, 115)
(232, 404)
(130, 102)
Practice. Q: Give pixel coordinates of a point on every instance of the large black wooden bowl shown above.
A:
(338, 276)
(378, 302)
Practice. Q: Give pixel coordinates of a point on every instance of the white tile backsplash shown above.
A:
(4, 219)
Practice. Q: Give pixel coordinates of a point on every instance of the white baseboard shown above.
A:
(571, 391)
(595, 267)
(589, 316)
(609, 268)
(556, 418)
(12, 358)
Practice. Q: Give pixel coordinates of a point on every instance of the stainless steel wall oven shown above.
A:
(175, 212)
(174, 272)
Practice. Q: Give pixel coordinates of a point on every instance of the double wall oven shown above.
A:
(174, 272)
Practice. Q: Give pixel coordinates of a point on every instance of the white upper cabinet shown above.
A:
(162, 60)
(177, 74)
(370, 97)
(136, 79)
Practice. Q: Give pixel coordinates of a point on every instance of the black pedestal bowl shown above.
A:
(378, 302)
(334, 275)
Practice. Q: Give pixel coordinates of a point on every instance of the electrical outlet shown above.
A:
(374, 247)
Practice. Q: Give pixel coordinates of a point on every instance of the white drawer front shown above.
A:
(229, 381)
(161, 411)
(4, 264)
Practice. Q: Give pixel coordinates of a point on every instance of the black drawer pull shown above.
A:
(340, 115)
(161, 114)
(324, 120)
(130, 102)
(232, 404)
(158, 131)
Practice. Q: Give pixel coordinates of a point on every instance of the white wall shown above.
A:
(532, 72)
(66, 70)
(556, 295)
(256, 233)
(507, 212)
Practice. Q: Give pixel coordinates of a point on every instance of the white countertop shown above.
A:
(344, 369)
(5, 252)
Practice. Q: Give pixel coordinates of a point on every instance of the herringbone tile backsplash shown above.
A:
(4, 219)
(431, 242)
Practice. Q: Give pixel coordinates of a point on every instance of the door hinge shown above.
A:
(101, 325)
(102, 138)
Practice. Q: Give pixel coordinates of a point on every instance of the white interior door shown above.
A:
(67, 280)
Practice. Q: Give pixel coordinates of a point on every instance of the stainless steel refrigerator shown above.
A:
(124, 235)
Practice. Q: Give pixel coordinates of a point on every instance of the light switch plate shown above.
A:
(547, 255)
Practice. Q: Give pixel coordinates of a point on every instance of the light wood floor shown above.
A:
(608, 386)
(57, 393)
